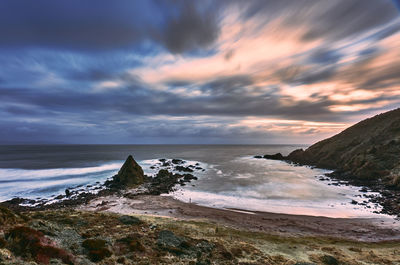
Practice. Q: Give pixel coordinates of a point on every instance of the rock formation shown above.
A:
(277, 156)
(130, 175)
(366, 154)
(368, 151)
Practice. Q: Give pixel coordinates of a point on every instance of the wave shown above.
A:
(14, 174)
(333, 208)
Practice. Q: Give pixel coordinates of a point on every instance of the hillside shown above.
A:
(369, 151)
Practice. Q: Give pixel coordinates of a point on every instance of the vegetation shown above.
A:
(74, 237)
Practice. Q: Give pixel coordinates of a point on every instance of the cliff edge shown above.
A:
(369, 151)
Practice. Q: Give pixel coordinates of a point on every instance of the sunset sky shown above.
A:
(257, 72)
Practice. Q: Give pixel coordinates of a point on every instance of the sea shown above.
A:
(231, 178)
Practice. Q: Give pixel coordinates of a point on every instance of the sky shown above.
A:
(194, 72)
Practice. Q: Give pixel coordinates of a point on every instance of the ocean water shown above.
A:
(232, 178)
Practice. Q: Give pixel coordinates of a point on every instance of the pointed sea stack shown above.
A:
(130, 175)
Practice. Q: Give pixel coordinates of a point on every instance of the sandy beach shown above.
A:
(360, 229)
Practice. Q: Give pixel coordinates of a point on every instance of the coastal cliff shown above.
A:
(368, 152)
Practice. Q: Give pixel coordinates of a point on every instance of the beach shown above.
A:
(360, 229)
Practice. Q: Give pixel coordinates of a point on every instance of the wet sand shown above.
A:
(360, 229)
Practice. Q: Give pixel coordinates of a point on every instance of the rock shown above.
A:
(130, 175)
(277, 156)
(189, 177)
(368, 150)
(183, 169)
(163, 174)
(166, 164)
(177, 161)
(297, 156)
(205, 246)
(329, 260)
(257, 157)
(366, 154)
(129, 220)
(168, 241)
(67, 193)
(163, 182)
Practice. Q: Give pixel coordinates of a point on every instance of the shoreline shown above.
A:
(388, 199)
(287, 225)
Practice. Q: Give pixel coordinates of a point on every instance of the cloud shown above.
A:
(194, 71)
(345, 18)
(180, 26)
(191, 29)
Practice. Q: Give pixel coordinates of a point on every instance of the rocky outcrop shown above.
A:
(366, 154)
(165, 181)
(277, 156)
(130, 175)
(369, 151)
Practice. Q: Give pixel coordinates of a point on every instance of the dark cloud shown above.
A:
(70, 24)
(191, 29)
(386, 32)
(304, 74)
(383, 77)
(227, 97)
(333, 20)
(180, 26)
(177, 83)
(90, 75)
(348, 17)
(315, 76)
(228, 85)
(139, 132)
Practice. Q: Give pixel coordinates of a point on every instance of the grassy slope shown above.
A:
(69, 229)
(369, 149)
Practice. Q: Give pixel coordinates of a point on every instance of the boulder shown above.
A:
(277, 156)
(168, 241)
(183, 169)
(177, 161)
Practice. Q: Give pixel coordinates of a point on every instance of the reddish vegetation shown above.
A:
(27, 242)
(130, 243)
(97, 249)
